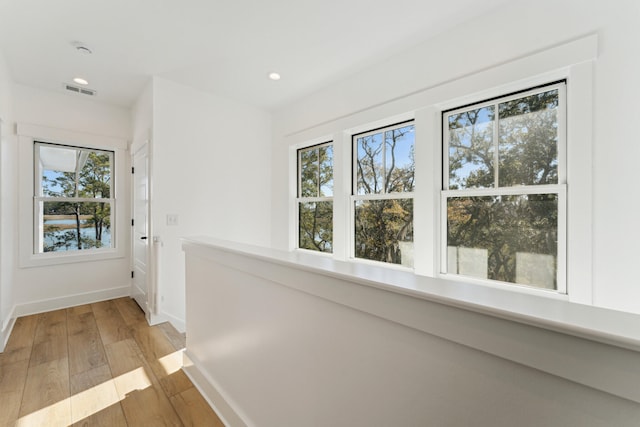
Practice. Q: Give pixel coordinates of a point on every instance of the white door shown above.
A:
(141, 231)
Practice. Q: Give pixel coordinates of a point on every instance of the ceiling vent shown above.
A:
(80, 90)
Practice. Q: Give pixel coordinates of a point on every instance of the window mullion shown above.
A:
(505, 191)
(384, 162)
(318, 174)
(496, 146)
(299, 163)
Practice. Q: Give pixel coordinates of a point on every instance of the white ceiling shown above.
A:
(223, 46)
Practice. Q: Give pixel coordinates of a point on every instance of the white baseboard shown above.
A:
(67, 301)
(212, 393)
(161, 317)
(177, 323)
(7, 327)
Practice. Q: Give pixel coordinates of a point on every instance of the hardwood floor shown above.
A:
(97, 365)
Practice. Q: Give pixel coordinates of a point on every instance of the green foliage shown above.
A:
(504, 225)
(316, 226)
(380, 226)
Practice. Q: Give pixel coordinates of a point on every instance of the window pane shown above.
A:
(471, 149)
(400, 170)
(370, 164)
(384, 230)
(316, 226)
(308, 172)
(529, 140)
(326, 171)
(75, 172)
(68, 226)
(508, 238)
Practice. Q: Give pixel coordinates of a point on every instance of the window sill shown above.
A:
(544, 310)
(48, 259)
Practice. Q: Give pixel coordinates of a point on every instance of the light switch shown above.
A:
(172, 219)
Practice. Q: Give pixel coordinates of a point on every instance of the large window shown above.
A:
(315, 198)
(73, 203)
(504, 190)
(383, 184)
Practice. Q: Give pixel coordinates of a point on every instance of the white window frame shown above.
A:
(28, 134)
(572, 61)
(39, 199)
(299, 199)
(560, 189)
(354, 196)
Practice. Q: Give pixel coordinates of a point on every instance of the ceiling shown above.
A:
(226, 47)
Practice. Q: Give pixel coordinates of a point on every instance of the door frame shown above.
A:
(151, 306)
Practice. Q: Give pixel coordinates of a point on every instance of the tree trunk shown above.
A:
(77, 213)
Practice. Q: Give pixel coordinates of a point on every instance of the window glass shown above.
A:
(308, 173)
(370, 154)
(400, 164)
(529, 140)
(71, 226)
(384, 230)
(471, 148)
(506, 238)
(325, 172)
(75, 172)
(74, 202)
(316, 226)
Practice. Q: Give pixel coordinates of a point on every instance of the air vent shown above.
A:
(77, 89)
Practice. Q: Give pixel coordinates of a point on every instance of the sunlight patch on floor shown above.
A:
(172, 362)
(88, 402)
(131, 381)
(57, 414)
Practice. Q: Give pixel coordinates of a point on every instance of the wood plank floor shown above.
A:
(97, 365)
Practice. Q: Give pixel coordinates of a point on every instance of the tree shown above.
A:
(95, 179)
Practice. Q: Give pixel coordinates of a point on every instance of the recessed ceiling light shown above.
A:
(274, 76)
(80, 81)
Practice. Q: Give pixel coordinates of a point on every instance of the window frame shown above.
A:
(39, 198)
(560, 189)
(300, 199)
(27, 134)
(572, 61)
(354, 197)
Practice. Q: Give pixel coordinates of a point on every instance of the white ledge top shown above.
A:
(604, 325)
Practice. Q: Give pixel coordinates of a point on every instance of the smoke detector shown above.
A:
(82, 48)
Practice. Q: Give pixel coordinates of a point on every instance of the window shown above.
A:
(382, 201)
(504, 192)
(315, 198)
(74, 204)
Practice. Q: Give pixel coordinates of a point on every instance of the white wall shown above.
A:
(8, 178)
(142, 115)
(506, 34)
(210, 167)
(285, 340)
(43, 288)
